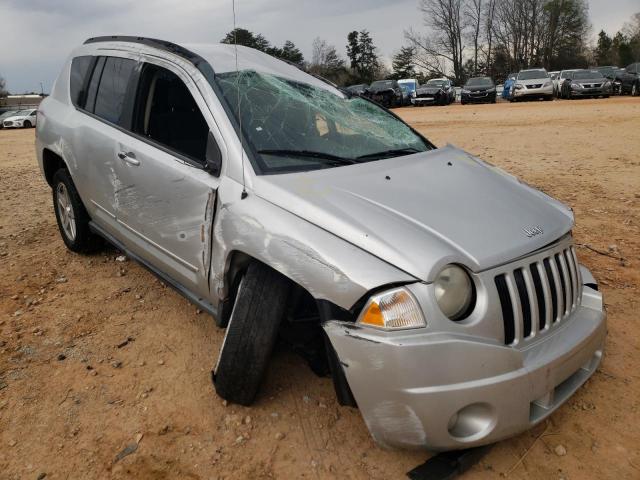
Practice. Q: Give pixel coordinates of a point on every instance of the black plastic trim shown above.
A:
(181, 289)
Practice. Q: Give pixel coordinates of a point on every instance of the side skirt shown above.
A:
(201, 303)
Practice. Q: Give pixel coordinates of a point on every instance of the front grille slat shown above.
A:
(572, 273)
(536, 296)
(517, 306)
(558, 290)
(578, 275)
(566, 282)
(533, 302)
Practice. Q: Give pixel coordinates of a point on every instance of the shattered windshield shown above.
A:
(293, 126)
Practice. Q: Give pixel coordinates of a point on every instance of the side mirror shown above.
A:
(213, 163)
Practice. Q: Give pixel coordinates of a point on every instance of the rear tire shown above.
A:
(251, 334)
(73, 219)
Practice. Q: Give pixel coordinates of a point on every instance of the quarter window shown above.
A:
(167, 114)
(80, 69)
(112, 91)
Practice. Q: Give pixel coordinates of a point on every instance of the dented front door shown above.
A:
(166, 207)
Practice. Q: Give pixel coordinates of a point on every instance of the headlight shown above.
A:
(491, 90)
(413, 94)
(546, 84)
(454, 292)
(465, 91)
(576, 85)
(392, 310)
(519, 86)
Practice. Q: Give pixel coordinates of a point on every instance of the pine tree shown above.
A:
(402, 63)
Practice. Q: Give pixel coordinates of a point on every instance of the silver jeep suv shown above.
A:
(443, 295)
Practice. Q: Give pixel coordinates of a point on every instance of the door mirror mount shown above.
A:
(213, 164)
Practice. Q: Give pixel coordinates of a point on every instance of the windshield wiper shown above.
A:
(397, 152)
(303, 154)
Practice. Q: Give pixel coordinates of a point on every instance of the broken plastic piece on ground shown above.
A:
(448, 465)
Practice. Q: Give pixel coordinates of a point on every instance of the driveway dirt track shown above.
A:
(95, 352)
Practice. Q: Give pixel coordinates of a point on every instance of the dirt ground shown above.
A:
(96, 355)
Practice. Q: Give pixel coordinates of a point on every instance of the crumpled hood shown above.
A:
(420, 212)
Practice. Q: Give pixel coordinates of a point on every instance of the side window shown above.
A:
(112, 91)
(80, 69)
(167, 113)
(92, 88)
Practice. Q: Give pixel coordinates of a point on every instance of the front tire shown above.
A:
(26, 124)
(251, 334)
(634, 90)
(72, 217)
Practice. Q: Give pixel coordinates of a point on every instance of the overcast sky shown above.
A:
(37, 35)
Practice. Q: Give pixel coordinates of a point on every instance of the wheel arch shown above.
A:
(51, 163)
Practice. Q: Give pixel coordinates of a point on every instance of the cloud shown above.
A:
(39, 34)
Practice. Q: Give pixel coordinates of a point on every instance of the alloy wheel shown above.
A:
(65, 211)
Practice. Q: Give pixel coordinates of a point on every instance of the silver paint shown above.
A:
(341, 233)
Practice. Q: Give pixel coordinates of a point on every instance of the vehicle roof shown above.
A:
(218, 57)
(407, 80)
(441, 78)
(532, 70)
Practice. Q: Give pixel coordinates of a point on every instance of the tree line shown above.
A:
(465, 38)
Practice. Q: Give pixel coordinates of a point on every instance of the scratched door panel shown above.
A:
(166, 208)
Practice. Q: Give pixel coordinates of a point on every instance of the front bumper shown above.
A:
(478, 97)
(533, 92)
(444, 391)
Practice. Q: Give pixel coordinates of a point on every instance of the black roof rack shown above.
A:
(199, 62)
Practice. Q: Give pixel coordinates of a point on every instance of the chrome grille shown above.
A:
(536, 296)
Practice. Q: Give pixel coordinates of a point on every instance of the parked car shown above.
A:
(611, 74)
(437, 91)
(21, 119)
(557, 85)
(359, 89)
(532, 83)
(409, 85)
(479, 90)
(386, 92)
(630, 79)
(586, 83)
(448, 327)
(6, 114)
(509, 83)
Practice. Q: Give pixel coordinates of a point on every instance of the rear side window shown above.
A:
(80, 70)
(112, 91)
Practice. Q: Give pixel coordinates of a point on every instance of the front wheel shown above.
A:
(252, 331)
(72, 217)
(634, 90)
(26, 124)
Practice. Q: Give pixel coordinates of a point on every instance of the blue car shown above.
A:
(508, 85)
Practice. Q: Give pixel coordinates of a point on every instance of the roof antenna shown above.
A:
(244, 193)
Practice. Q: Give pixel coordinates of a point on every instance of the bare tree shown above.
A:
(488, 23)
(473, 14)
(3, 87)
(445, 43)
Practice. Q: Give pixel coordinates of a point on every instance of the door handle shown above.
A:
(129, 157)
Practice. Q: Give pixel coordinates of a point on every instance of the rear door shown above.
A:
(101, 88)
(166, 198)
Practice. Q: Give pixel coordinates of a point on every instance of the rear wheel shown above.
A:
(73, 219)
(258, 310)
